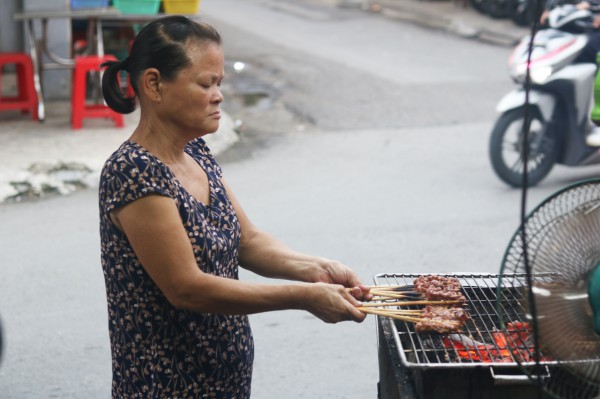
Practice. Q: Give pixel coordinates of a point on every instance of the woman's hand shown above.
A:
(334, 272)
(584, 5)
(332, 303)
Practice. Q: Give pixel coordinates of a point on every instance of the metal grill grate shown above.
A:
(427, 349)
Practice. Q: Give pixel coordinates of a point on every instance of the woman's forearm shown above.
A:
(262, 254)
(212, 294)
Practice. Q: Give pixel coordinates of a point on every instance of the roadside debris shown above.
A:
(46, 179)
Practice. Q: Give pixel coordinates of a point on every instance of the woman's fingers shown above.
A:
(358, 316)
(352, 296)
(361, 293)
(334, 303)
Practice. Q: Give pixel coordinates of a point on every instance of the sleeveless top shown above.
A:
(159, 351)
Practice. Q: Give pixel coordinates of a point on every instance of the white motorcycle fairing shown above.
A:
(580, 74)
(516, 99)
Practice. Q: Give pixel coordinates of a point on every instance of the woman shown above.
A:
(173, 233)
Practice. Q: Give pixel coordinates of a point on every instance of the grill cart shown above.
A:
(476, 362)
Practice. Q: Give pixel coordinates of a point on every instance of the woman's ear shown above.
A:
(150, 84)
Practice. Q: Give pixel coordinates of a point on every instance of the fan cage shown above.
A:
(584, 195)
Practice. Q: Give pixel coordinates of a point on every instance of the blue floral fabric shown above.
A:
(159, 351)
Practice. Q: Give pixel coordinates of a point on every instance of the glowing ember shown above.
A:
(515, 344)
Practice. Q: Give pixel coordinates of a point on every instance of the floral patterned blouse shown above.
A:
(159, 351)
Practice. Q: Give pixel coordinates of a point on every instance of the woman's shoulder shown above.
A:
(130, 156)
(131, 172)
(130, 162)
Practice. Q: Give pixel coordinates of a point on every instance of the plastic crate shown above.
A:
(137, 6)
(181, 6)
(81, 4)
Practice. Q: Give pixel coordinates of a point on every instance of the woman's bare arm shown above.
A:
(153, 227)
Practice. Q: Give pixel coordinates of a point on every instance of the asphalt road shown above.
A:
(369, 146)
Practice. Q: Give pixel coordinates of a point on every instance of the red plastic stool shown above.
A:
(26, 99)
(79, 108)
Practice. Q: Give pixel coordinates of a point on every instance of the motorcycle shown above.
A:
(560, 102)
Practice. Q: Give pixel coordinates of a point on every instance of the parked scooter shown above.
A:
(493, 8)
(560, 99)
(522, 12)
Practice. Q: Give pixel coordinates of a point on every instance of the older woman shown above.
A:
(173, 234)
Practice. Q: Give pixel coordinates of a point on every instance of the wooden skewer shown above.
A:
(408, 303)
(387, 289)
(403, 311)
(398, 316)
(393, 296)
(391, 287)
(394, 291)
(379, 312)
(390, 293)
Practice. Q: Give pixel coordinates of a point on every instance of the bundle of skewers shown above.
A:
(433, 303)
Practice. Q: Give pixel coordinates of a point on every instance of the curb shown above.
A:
(50, 159)
(446, 15)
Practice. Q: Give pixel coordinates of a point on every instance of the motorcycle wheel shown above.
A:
(479, 5)
(498, 8)
(521, 12)
(506, 145)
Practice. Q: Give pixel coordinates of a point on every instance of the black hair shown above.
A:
(160, 45)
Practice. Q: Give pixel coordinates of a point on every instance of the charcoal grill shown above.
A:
(419, 365)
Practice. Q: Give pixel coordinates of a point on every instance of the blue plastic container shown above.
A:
(81, 4)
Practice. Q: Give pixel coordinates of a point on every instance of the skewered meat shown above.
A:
(454, 314)
(439, 288)
(437, 324)
(441, 281)
(441, 319)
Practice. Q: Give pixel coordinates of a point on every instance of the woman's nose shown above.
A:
(218, 97)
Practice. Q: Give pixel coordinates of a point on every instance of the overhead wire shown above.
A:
(539, 6)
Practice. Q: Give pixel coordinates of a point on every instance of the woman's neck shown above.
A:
(160, 141)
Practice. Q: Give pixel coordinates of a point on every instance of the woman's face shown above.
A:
(192, 100)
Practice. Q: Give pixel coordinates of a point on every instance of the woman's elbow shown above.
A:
(182, 297)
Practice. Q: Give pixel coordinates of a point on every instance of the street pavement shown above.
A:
(50, 155)
(49, 158)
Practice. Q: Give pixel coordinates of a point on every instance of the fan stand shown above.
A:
(594, 296)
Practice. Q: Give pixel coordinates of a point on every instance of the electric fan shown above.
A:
(561, 291)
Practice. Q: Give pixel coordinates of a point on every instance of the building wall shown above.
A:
(56, 82)
(11, 39)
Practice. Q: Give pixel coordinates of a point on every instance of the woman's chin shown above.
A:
(208, 130)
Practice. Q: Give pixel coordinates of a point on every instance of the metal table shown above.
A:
(96, 17)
